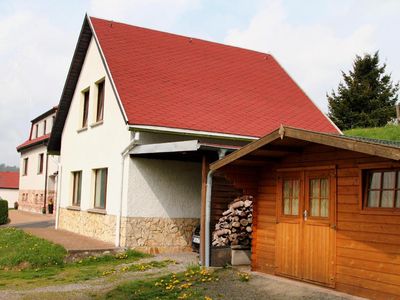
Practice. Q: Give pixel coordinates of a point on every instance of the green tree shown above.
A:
(366, 98)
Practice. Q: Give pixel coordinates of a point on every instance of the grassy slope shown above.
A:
(18, 248)
(26, 261)
(390, 132)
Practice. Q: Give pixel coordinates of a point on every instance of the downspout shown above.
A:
(45, 184)
(58, 194)
(124, 153)
(221, 154)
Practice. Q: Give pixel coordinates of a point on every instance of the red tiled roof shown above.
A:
(9, 180)
(174, 81)
(32, 142)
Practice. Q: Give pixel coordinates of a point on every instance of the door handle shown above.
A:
(305, 215)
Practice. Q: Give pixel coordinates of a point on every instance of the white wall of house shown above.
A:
(11, 195)
(163, 188)
(98, 146)
(33, 180)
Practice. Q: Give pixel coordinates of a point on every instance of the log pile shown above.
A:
(234, 227)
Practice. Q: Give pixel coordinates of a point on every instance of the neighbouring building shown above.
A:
(142, 114)
(9, 187)
(326, 208)
(38, 170)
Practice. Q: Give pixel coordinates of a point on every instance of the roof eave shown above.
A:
(385, 151)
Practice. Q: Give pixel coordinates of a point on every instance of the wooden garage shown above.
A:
(326, 211)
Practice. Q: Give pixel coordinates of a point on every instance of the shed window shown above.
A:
(319, 197)
(383, 189)
(291, 192)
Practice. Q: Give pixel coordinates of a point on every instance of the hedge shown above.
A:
(3, 211)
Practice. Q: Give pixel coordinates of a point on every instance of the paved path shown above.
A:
(43, 226)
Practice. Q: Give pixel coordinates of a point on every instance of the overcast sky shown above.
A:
(312, 40)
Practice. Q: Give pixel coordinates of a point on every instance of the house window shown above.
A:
(319, 197)
(382, 189)
(100, 101)
(54, 120)
(85, 109)
(44, 127)
(77, 187)
(100, 188)
(291, 192)
(25, 167)
(40, 163)
(36, 130)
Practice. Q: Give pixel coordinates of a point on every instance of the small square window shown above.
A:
(382, 189)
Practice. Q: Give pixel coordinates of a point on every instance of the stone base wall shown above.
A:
(32, 200)
(98, 226)
(158, 235)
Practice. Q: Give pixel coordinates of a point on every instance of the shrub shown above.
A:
(3, 211)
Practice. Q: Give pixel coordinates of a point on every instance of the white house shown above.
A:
(142, 114)
(38, 173)
(9, 187)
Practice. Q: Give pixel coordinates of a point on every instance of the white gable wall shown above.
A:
(98, 146)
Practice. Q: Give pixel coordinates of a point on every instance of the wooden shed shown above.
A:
(327, 208)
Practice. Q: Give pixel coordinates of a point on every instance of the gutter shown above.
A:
(124, 153)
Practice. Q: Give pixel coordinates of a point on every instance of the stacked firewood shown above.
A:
(234, 227)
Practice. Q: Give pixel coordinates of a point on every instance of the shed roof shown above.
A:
(381, 148)
(167, 80)
(9, 180)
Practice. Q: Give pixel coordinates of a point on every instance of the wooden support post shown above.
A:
(204, 171)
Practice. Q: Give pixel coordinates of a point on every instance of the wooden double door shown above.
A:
(305, 231)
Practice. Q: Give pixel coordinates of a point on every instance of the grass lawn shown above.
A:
(27, 261)
(186, 285)
(389, 132)
(20, 250)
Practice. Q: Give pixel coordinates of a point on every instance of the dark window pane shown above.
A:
(375, 180)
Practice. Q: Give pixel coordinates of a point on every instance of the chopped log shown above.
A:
(244, 222)
(236, 224)
(236, 205)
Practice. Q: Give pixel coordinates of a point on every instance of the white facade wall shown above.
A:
(33, 180)
(100, 145)
(11, 195)
(163, 188)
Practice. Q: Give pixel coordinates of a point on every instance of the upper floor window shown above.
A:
(100, 188)
(25, 167)
(100, 101)
(382, 189)
(40, 163)
(54, 120)
(44, 127)
(85, 108)
(36, 130)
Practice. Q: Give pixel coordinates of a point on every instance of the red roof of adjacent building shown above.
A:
(32, 142)
(180, 82)
(9, 180)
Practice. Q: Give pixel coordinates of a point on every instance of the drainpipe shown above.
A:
(58, 194)
(124, 153)
(221, 154)
(45, 184)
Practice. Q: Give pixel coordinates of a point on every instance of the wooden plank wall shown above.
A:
(367, 246)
